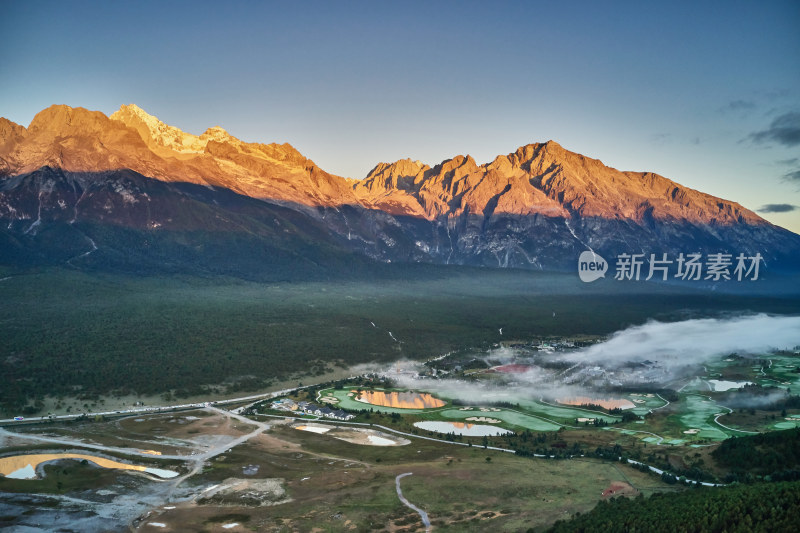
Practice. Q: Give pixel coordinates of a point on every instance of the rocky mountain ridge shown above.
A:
(537, 207)
(78, 140)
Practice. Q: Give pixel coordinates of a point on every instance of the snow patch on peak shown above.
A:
(165, 135)
(216, 133)
(135, 110)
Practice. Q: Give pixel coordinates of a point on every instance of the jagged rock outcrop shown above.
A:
(541, 179)
(542, 204)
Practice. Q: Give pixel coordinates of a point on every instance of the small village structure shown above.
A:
(311, 409)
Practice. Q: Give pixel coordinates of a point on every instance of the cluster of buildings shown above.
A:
(311, 409)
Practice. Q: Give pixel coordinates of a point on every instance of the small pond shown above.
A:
(399, 400)
(24, 466)
(605, 403)
(461, 428)
(720, 385)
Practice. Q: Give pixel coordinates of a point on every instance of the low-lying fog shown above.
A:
(656, 354)
(694, 341)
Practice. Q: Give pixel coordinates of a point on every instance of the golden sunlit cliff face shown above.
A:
(539, 179)
(78, 140)
(265, 171)
(536, 179)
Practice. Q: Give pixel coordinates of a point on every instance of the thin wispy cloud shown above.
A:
(738, 106)
(777, 208)
(792, 177)
(661, 138)
(784, 130)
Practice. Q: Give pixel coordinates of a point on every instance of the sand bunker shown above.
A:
(362, 436)
(314, 429)
(368, 437)
(380, 441)
(692, 431)
(582, 419)
(484, 419)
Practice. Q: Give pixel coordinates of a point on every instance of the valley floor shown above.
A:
(272, 477)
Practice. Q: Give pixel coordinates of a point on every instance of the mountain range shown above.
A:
(128, 192)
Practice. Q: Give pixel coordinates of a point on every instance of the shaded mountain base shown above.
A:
(116, 249)
(122, 221)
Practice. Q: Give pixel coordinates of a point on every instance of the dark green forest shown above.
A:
(767, 507)
(755, 505)
(775, 454)
(69, 333)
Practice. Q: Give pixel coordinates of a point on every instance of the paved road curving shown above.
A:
(423, 514)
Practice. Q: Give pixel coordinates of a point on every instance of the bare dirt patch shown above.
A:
(246, 492)
(619, 488)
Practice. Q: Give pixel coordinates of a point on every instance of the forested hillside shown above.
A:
(739, 508)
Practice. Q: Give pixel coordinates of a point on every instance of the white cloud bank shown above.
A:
(674, 347)
(694, 341)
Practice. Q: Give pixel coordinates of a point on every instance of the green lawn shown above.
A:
(512, 419)
(563, 414)
(698, 412)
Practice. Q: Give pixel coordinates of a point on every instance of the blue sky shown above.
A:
(704, 93)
